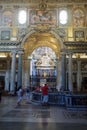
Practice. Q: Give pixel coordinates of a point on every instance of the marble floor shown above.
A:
(33, 116)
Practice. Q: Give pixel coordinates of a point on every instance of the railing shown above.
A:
(54, 98)
(37, 97)
(76, 102)
(69, 101)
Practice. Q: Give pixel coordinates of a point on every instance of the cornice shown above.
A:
(38, 1)
(47, 1)
(9, 43)
(10, 49)
(76, 47)
(76, 50)
(75, 44)
(8, 46)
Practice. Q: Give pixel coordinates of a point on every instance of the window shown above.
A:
(63, 17)
(22, 17)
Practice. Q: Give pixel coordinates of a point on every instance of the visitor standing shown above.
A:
(20, 93)
(45, 95)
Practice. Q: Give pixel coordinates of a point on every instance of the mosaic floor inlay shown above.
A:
(75, 115)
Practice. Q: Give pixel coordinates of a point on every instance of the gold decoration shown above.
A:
(43, 5)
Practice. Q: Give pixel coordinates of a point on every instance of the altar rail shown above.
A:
(76, 102)
(69, 101)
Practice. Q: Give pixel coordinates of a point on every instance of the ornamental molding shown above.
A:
(60, 34)
(43, 5)
(38, 1)
(11, 49)
(9, 43)
(76, 50)
(7, 46)
(76, 44)
(75, 47)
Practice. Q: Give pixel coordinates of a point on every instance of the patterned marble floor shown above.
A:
(31, 116)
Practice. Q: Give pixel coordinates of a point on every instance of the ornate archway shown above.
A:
(38, 39)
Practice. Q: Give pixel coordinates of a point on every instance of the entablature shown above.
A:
(75, 47)
(9, 43)
(38, 1)
(75, 44)
(8, 46)
(77, 50)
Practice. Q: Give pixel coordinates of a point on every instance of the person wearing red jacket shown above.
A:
(45, 95)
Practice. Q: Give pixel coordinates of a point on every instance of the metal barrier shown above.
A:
(76, 101)
(54, 98)
(68, 100)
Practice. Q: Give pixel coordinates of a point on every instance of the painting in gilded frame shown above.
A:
(79, 35)
(43, 17)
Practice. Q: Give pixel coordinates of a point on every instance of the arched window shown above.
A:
(63, 17)
(22, 17)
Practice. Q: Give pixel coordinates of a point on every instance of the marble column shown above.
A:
(7, 76)
(79, 76)
(59, 76)
(30, 67)
(63, 72)
(12, 83)
(30, 70)
(70, 86)
(27, 73)
(19, 77)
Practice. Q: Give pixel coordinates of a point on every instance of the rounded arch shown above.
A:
(46, 45)
(58, 38)
(30, 48)
(31, 31)
(35, 39)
